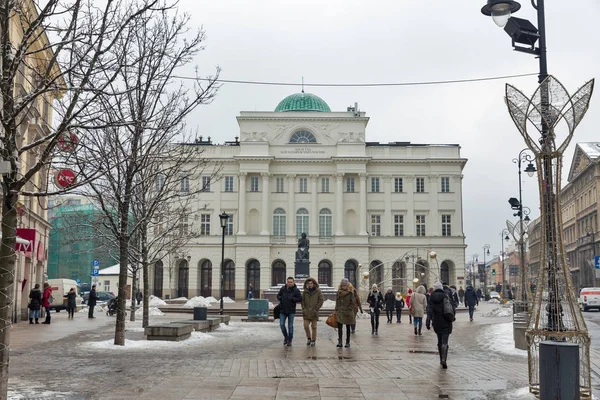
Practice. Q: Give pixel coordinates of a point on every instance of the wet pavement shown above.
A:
(248, 361)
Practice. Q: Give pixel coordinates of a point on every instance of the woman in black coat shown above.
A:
(71, 303)
(375, 300)
(442, 324)
(35, 303)
(390, 305)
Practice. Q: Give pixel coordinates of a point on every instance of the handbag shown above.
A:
(277, 311)
(332, 320)
(411, 310)
(448, 310)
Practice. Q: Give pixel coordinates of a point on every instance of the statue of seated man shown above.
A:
(303, 246)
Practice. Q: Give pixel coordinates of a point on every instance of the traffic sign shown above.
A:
(78, 281)
(96, 263)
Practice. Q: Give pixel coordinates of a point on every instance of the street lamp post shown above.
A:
(590, 232)
(474, 263)
(486, 250)
(503, 237)
(223, 218)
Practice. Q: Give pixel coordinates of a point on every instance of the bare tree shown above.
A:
(128, 137)
(74, 66)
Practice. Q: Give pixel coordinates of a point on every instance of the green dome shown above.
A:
(302, 102)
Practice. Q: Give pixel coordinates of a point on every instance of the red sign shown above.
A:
(65, 178)
(29, 235)
(40, 251)
(68, 141)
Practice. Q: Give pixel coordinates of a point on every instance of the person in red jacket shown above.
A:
(46, 301)
(410, 292)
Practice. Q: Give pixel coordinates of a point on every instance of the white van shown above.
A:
(60, 288)
(589, 298)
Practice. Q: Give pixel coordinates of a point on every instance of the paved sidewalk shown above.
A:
(247, 361)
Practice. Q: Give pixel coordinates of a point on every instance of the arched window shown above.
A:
(398, 276)
(279, 222)
(158, 278)
(278, 275)
(325, 223)
(324, 276)
(303, 137)
(206, 278)
(253, 277)
(229, 279)
(445, 273)
(350, 271)
(301, 221)
(183, 280)
(376, 274)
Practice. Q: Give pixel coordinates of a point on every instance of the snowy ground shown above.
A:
(499, 312)
(499, 337)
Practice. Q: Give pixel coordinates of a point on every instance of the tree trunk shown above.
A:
(134, 289)
(7, 280)
(144, 247)
(123, 261)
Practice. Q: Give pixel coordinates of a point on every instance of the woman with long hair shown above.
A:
(345, 304)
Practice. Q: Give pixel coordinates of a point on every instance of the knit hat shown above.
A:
(374, 286)
(344, 282)
(437, 286)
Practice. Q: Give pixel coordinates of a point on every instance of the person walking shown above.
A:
(451, 293)
(139, 297)
(471, 300)
(442, 322)
(345, 306)
(288, 296)
(312, 301)
(408, 297)
(357, 306)
(35, 303)
(250, 292)
(479, 294)
(399, 305)
(461, 295)
(375, 300)
(92, 299)
(390, 305)
(47, 300)
(71, 303)
(419, 303)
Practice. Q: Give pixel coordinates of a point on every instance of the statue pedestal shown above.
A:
(302, 270)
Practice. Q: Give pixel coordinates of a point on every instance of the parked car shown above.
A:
(103, 297)
(85, 288)
(495, 295)
(589, 298)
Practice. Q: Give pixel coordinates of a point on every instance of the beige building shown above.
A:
(365, 206)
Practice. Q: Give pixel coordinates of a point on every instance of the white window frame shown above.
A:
(398, 185)
(302, 221)
(254, 184)
(229, 226)
(445, 184)
(106, 286)
(206, 183)
(279, 184)
(204, 224)
(375, 185)
(421, 225)
(184, 185)
(375, 224)
(159, 182)
(279, 222)
(325, 185)
(350, 185)
(398, 225)
(325, 223)
(446, 225)
(229, 183)
(420, 185)
(303, 185)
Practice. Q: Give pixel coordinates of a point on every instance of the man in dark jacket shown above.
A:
(461, 295)
(35, 303)
(288, 296)
(442, 325)
(479, 294)
(375, 300)
(93, 297)
(390, 304)
(471, 300)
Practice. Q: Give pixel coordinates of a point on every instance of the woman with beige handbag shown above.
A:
(345, 304)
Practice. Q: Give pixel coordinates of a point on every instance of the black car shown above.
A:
(103, 297)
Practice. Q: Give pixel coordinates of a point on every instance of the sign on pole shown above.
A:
(78, 281)
(597, 266)
(95, 267)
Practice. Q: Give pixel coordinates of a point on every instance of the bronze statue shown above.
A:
(303, 246)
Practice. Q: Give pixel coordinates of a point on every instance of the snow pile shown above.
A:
(97, 309)
(152, 311)
(499, 312)
(329, 304)
(156, 301)
(228, 300)
(494, 301)
(364, 315)
(211, 299)
(181, 298)
(197, 337)
(197, 301)
(499, 338)
(271, 305)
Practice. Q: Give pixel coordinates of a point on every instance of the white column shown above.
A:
(314, 207)
(339, 204)
(241, 204)
(457, 218)
(363, 204)
(387, 219)
(409, 220)
(291, 213)
(435, 222)
(265, 204)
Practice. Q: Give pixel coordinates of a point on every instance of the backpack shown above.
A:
(448, 310)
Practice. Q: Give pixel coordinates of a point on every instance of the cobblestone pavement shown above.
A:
(247, 360)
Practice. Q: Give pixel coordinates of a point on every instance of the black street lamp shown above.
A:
(223, 217)
(589, 232)
(473, 264)
(486, 251)
(503, 236)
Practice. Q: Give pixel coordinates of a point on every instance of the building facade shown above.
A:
(365, 206)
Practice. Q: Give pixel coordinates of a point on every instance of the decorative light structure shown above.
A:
(555, 314)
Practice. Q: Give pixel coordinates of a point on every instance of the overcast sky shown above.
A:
(352, 41)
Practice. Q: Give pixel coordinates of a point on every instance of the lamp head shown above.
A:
(432, 255)
(223, 218)
(500, 10)
(514, 203)
(530, 169)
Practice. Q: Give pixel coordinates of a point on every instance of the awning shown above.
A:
(20, 240)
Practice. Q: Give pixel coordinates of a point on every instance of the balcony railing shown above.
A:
(325, 239)
(278, 239)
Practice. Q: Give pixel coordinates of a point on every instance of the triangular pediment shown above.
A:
(580, 162)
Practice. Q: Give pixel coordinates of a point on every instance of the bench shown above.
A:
(171, 332)
(197, 325)
(225, 319)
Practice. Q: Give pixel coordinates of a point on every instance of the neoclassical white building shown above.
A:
(365, 206)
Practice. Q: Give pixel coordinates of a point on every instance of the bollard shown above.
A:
(200, 313)
(559, 370)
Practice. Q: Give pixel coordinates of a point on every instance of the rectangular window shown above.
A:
(159, 183)
(229, 183)
(303, 185)
(374, 185)
(420, 225)
(325, 185)
(301, 224)
(398, 225)
(279, 184)
(325, 222)
(420, 185)
(398, 185)
(206, 183)
(350, 185)
(183, 226)
(446, 225)
(107, 286)
(279, 227)
(254, 183)
(185, 184)
(229, 226)
(375, 225)
(204, 224)
(445, 184)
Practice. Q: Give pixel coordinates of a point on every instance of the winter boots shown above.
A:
(444, 356)
(36, 321)
(347, 342)
(416, 331)
(419, 331)
(440, 352)
(308, 341)
(31, 321)
(340, 334)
